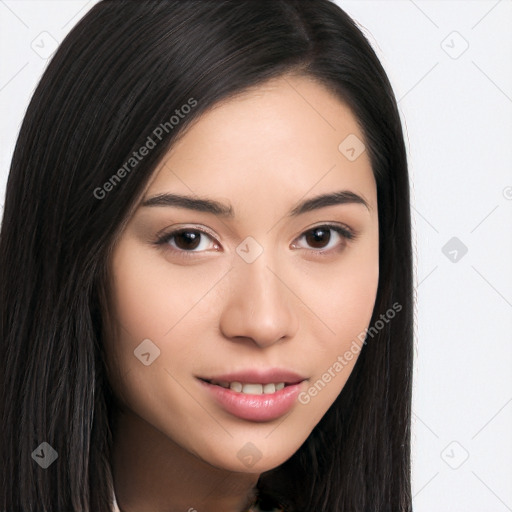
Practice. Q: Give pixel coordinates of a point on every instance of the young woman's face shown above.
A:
(260, 290)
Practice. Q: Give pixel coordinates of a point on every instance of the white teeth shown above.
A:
(250, 389)
(269, 388)
(236, 386)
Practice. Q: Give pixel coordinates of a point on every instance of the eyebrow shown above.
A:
(226, 211)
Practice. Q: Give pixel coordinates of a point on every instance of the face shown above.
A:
(266, 287)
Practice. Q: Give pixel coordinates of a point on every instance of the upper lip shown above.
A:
(258, 376)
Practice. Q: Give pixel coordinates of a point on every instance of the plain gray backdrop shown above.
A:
(450, 63)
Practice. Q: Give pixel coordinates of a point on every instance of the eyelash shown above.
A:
(345, 232)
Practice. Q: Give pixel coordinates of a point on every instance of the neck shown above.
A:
(151, 472)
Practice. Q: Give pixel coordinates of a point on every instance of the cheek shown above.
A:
(344, 300)
(149, 301)
(355, 300)
(344, 294)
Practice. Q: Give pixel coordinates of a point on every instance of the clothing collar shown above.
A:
(115, 506)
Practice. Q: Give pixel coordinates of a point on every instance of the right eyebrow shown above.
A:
(191, 203)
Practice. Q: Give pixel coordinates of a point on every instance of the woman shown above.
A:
(207, 300)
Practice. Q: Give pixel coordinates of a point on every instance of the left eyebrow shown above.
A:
(324, 200)
(226, 210)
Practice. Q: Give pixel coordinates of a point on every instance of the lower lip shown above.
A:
(265, 407)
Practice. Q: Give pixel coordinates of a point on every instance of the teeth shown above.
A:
(269, 388)
(236, 386)
(251, 389)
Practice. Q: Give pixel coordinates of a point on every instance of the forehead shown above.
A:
(286, 136)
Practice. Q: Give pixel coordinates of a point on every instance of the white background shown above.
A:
(450, 63)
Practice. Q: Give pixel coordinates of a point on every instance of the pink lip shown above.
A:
(255, 376)
(265, 407)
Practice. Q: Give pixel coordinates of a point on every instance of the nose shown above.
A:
(259, 305)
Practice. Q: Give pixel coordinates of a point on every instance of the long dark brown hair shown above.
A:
(123, 70)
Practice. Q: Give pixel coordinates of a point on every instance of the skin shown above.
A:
(262, 152)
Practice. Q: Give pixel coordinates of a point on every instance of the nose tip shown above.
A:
(258, 306)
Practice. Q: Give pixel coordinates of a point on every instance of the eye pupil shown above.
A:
(318, 235)
(191, 239)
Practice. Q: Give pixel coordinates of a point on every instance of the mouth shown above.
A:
(255, 395)
(255, 381)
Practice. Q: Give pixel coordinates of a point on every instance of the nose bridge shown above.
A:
(262, 288)
(258, 305)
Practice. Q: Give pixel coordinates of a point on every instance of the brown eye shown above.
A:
(187, 240)
(318, 237)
